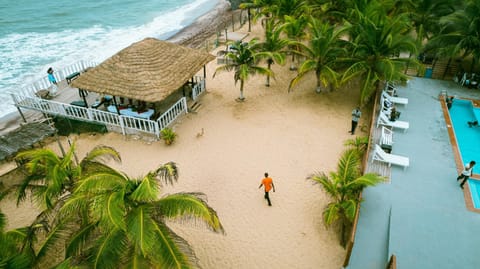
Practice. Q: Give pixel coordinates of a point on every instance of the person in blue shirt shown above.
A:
(51, 78)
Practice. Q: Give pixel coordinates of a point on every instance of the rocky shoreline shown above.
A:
(204, 27)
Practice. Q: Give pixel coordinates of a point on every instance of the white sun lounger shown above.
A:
(386, 138)
(382, 156)
(395, 100)
(383, 120)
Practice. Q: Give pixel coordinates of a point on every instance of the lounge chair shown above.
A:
(386, 139)
(382, 156)
(383, 120)
(391, 88)
(395, 100)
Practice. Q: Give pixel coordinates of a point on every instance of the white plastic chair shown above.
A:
(383, 120)
(386, 138)
(382, 156)
(395, 100)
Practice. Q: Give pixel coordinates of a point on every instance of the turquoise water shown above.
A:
(37, 34)
(475, 192)
(468, 139)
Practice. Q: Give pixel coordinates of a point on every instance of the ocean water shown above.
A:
(35, 35)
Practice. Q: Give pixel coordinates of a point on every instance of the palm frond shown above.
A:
(190, 205)
(167, 173)
(172, 251)
(78, 241)
(330, 214)
(109, 249)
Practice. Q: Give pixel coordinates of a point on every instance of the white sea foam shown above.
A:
(26, 57)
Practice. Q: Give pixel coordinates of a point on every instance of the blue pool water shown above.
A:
(468, 139)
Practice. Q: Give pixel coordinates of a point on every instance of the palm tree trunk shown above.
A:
(241, 91)
(292, 65)
(268, 76)
(319, 85)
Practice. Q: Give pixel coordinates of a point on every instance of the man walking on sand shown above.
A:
(268, 183)
(356, 114)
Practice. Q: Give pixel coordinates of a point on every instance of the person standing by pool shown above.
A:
(466, 173)
(356, 114)
(449, 102)
(267, 182)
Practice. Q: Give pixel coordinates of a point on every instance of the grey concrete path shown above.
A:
(420, 216)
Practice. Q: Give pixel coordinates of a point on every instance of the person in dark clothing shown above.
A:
(449, 101)
(466, 173)
(356, 114)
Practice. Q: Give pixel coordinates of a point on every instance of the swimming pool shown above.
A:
(468, 138)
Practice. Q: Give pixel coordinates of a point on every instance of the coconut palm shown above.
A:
(378, 41)
(261, 8)
(51, 177)
(359, 143)
(426, 16)
(294, 28)
(243, 60)
(324, 47)
(344, 186)
(12, 253)
(28, 247)
(460, 33)
(274, 46)
(293, 8)
(126, 220)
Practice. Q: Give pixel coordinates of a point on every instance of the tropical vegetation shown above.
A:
(100, 217)
(344, 187)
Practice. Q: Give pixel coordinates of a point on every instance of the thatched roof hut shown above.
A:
(148, 70)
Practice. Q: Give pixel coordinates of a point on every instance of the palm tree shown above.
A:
(126, 221)
(344, 187)
(28, 247)
(426, 16)
(359, 143)
(274, 46)
(460, 33)
(292, 8)
(12, 253)
(325, 46)
(378, 41)
(243, 59)
(51, 178)
(294, 28)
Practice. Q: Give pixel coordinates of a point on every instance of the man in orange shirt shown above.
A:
(268, 183)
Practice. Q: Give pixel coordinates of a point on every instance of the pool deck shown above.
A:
(420, 215)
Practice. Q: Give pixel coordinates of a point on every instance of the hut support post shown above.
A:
(185, 105)
(205, 77)
(116, 106)
(249, 25)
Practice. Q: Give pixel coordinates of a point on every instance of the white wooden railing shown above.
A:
(198, 88)
(172, 113)
(59, 75)
(26, 98)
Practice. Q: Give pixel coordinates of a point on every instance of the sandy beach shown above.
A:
(289, 135)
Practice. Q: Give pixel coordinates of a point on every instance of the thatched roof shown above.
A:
(148, 70)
